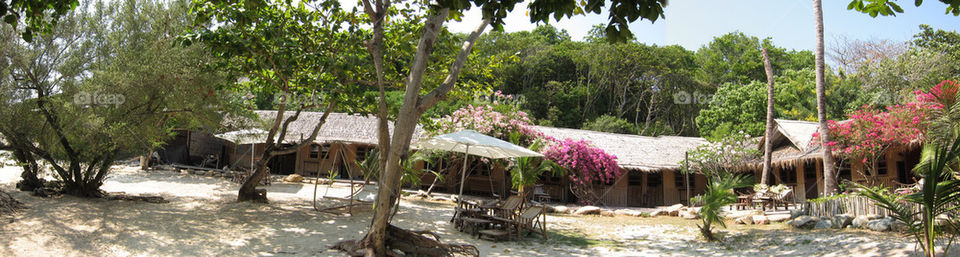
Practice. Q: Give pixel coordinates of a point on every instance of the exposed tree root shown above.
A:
(8, 204)
(402, 242)
(125, 197)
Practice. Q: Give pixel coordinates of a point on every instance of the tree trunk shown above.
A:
(248, 191)
(410, 111)
(829, 172)
(768, 135)
(31, 170)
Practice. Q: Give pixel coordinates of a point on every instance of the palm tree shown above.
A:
(525, 171)
(938, 195)
(719, 194)
(829, 173)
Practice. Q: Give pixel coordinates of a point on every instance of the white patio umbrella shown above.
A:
(472, 142)
(246, 136)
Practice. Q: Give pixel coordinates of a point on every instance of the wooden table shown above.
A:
(473, 225)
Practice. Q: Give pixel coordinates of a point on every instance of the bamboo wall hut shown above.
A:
(193, 147)
(342, 140)
(798, 163)
(651, 167)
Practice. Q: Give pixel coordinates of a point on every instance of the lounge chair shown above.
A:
(529, 220)
(508, 208)
(783, 198)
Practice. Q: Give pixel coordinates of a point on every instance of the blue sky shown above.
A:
(789, 23)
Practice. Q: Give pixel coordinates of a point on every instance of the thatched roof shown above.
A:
(339, 127)
(632, 151)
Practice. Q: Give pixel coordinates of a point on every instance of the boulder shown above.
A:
(880, 224)
(587, 210)
(747, 220)
(842, 220)
(760, 220)
(657, 213)
(778, 217)
(804, 222)
(823, 223)
(673, 210)
(690, 214)
(607, 213)
(899, 226)
(293, 178)
(625, 212)
(796, 213)
(860, 222)
(561, 209)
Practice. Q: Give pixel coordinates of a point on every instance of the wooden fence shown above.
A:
(855, 205)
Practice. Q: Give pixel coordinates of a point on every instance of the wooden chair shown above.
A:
(783, 198)
(532, 220)
(508, 208)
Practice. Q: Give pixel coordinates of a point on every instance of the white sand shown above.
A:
(203, 220)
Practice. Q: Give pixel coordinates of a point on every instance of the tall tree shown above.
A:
(768, 135)
(829, 173)
(296, 50)
(104, 84)
(415, 104)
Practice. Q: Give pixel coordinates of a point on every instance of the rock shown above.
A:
(842, 220)
(796, 213)
(625, 212)
(804, 222)
(860, 222)
(673, 210)
(779, 217)
(296, 178)
(212, 173)
(880, 224)
(690, 214)
(760, 220)
(561, 209)
(823, 223)
(657, 213)
(747, 220)
(874, 217)
(607, 213)
(587, 210)
(899, 226)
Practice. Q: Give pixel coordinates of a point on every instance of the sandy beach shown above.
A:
(202, 219)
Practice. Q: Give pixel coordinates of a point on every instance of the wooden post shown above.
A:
(686, 175)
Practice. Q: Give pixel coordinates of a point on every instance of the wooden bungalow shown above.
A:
(651, 167)
(194, 147)
(797, 161)
(342, 140)
(651, 170)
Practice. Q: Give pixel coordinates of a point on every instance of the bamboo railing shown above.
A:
(855, 205)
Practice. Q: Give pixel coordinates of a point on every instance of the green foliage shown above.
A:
(284, 48)
(37, 16)
(937, 196)
(891, 8)
(736, 58)
(106, 84)
(621, 13)
(719, 193)
(526, 171)
(607, 123)
(721, 155)
(739, 107)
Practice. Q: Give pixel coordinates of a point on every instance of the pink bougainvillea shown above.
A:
(586, 166)
(487, 120)
(869, 132)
